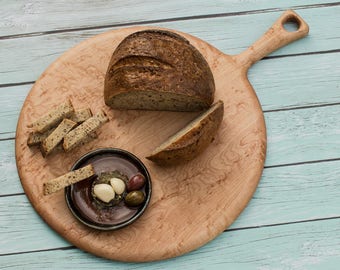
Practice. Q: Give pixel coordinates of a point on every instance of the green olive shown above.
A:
(134, 198)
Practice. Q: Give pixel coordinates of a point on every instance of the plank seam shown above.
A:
(16, 84)
(303, 107)
(7, 139)
(265, 58)
(39, 250)
(282, 224)
(228, 230)
(12, 194)
(194, 17)
(265, 168)
(302, 163)
(300, 54)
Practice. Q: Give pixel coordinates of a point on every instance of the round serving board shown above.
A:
(191, 203)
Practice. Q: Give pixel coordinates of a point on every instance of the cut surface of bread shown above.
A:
(190, 141)
(158, 70)
(53, 117)
(56, 136)
(152, 100)
(79, 116)
(67, 179)
(82, 132)
(35, 138)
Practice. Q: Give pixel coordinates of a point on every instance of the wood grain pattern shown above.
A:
(303, 246)
(274, 91)
(170, 188)
(47, 48)
(280, 198)
(286, 141)
(173, 212)
(9, 175)
(302, 192)
(24, 16)
(317, 137)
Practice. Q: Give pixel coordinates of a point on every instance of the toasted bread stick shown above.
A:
(53, 117)
(56, 136)
(79, 116)
(81, 132)
(67, 179)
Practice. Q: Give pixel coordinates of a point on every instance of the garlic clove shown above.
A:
(104, 192)
(118, 185)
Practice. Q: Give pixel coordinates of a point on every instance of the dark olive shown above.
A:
(134, 198)
(136, 182)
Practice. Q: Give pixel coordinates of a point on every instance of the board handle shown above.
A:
(276, 37)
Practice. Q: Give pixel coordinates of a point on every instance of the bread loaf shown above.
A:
(190, 141)
(158, 70)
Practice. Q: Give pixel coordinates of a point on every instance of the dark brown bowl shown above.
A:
(81, 203)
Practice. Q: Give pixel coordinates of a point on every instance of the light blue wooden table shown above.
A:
(293, 219)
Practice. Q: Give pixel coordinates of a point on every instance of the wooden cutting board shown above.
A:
(191, 203)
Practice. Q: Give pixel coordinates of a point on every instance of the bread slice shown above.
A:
(158, 70)
(88, 138)
(53, 117)
(190, 141)
(67, 179)
(81, 115)
(59, 148)
(83, 131)
(35, 138)
(56, 136)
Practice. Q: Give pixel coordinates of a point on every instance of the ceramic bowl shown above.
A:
(83, 205)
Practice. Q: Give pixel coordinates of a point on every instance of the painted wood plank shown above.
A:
(36, 16)
(310, 245)
(230, 34)
(22, 225)
(285, 194)
(303, 135)
(11, 102)
(294, 193)
(293, 136)
(9, 178)
(314, 79)
(299, 81)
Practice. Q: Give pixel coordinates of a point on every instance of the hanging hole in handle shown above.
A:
(291, 24)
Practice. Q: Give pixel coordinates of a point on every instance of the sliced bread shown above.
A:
(35, 138)
(82, 132)
(53, 117)
(67, 179)
(190, 141)
(79, 116)
(158, 70)
(56, 136)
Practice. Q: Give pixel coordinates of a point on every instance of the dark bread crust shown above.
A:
(160, 62)
(190, 141)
